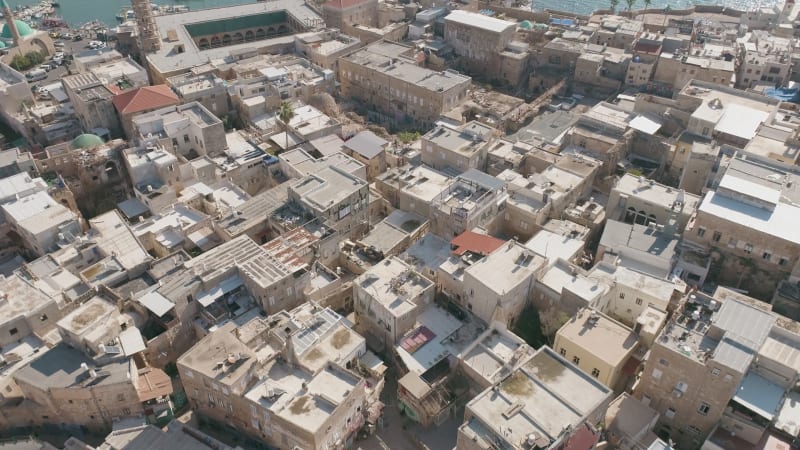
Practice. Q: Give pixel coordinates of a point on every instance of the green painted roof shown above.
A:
(2, 44)
(87, 141)
(526, 24)
(235, 24)
(22, 28)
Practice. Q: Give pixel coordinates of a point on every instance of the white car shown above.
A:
(58, 55)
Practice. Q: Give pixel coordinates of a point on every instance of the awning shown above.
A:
(372, 362)
(131, 341)
(208, 297)
(759, 395)
(645, 124)
(204, 238)
(156, 303)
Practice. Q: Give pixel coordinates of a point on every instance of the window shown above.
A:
(716, 236)
(622, 296)
(638, 301)
(43, 317)
(663, 362)
(783, 261)
(748, 248)
(563, 351)
(704, 409)
(657, 374)
(185, 138)
(669, 413)
(13, 331)
(120, 397)
(693, 429)
(681, 387)
(595, 372)
(728, 377)
(766, 256)
(126, 411)
(732, 243)
(705, 131)
(576, 360)
(701, 231)
(715, 371)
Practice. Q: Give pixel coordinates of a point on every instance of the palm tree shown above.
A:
(614, 4)
(647, 4)
(285, 113)
(630, 4)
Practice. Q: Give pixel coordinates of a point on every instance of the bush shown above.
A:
(408, 136)
(26, 61)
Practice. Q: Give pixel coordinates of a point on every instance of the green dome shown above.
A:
(2, 44)
(87, 141)
(526, 24)
(22, 28)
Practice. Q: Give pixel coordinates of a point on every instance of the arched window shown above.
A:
(641, 218)
(630, 214)
(260, 33)
(215, 41)
(226, 39)
(270, 31)
(203, 44)
(238, 37)
(249, 36)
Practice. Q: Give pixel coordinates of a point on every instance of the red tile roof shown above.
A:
(475, 243)
(344, 4)
(145, 99)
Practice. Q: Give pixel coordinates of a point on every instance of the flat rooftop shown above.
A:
(542, 396)
(421, 182)
(22, 298)
(479, 21)
(327, 188)
(307, 401)
(778, 223)
(210, 356)
(436, 335)
(258, 265)
(202, 21)
(375, 57)
(395, 285)
(656, 193)
(560, 276)
(60, 367)
(493, 352)
(601, 336)
(553, 245)
(113, 236)
(516, 263)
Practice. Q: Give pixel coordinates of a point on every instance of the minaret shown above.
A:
(10, 22)
(149, 40)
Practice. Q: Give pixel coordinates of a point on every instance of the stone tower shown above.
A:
(12, 26)
(149, 40)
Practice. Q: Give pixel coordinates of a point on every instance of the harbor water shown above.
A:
(77, 12)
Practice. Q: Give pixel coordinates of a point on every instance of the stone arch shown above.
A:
(249, 35)
(40, 47)
(270, 31)
(641, 218)
(238, 37)
(215, 41)
(112, 171)
(226, 39)
(282, 28)
(630, 214)
(260, 33)
(203, 43)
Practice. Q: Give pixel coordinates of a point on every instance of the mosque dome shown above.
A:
(87, 141)
(22, 28)
(526, 25)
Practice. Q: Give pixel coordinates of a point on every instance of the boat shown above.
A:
(55, 4)
(126, 15)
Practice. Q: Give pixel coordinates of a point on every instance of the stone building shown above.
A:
(343, 14)
(388, 80)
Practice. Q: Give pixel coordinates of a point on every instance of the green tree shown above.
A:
(285, 114)
(614, 4)
(20, 62)
(647, 4)
(630, 4)
(35, 58)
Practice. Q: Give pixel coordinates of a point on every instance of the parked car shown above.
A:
(59, 55)
(46, 67)
(36, 75)
(77, 38)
